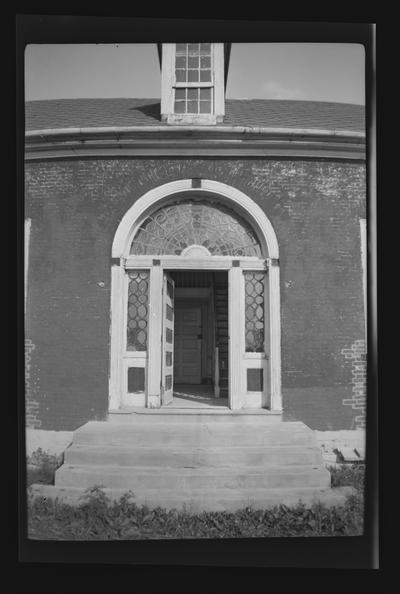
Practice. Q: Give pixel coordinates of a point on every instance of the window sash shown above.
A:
(207, 103)
(187, 55)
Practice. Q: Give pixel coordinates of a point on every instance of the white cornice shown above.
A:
(193, 141)
(217, 129)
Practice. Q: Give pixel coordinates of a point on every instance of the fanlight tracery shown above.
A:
(175, 227)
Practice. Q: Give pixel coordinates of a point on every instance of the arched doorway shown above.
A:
(215, 234)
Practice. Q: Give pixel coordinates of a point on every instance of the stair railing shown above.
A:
(216, 372)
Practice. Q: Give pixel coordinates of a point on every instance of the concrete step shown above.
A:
(226, 460)
(194, 480)
(196, 416)
(212, 500)
(265, 457)
(153, 431)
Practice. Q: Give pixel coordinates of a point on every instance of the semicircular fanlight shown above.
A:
(173, 228)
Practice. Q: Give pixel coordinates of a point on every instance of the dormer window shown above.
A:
(192, 83)
(193, 78)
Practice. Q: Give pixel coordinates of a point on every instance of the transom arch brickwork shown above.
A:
(240, 205)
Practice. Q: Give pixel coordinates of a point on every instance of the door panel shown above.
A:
(167, 379)
(187, 347)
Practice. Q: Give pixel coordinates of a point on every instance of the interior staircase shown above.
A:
(198, 462)
(221, 335)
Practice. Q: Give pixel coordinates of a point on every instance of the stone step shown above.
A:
(162, 433)
(192, 479)
(195, 416)
(212, 500)
(235, 456)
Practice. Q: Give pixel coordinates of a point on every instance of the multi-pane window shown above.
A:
(193, 100)
(193, 79)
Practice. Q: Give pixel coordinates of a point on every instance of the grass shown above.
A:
(97, 518)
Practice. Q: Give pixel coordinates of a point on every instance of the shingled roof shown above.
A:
(88, 113)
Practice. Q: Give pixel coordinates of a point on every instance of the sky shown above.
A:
(306, 71)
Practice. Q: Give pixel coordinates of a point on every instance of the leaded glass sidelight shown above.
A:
(138, 309)
(175, 227)
(254, 307)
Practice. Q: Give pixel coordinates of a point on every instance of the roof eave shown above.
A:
(189, 141)
(193, 130)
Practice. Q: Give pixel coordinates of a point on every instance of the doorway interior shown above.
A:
(201, 342)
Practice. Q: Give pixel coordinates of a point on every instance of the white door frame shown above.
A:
(122, 261)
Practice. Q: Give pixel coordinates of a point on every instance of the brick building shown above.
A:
(195, 247)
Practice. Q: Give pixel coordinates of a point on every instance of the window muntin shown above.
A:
(193, 100)
(193, 89)
(174, 227)
(193, 63)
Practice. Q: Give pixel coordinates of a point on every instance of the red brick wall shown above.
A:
(75, 207)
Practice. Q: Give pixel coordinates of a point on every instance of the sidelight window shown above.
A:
(138, 309)
(254, 308)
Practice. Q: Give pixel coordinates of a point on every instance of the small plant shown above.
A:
(97, 517)
(348, 475)
(41, 467)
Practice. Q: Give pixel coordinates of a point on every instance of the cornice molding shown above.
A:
(230, 141)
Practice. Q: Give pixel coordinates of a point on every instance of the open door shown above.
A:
(167, 380)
